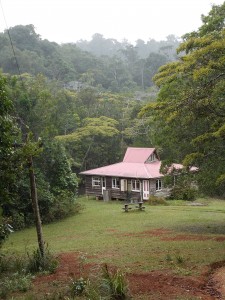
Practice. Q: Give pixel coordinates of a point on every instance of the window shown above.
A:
(96, 181)
(135, 184)
(153, 157)
(115, 183)
(158, 184)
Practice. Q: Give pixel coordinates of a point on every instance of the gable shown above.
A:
(138, 155)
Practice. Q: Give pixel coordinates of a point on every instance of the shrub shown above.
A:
(39, 263)
(13, 283)
(154, 200)
(18, 220)
(5, 230)
(15, 271)
(183, 192)
(12, 263)
(62, 206)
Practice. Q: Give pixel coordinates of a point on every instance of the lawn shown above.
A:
(180, 237)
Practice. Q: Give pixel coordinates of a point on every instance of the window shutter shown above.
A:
(123, 185)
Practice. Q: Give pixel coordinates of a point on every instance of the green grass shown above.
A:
(102, 232)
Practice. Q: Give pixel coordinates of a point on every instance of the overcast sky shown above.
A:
(65, 21)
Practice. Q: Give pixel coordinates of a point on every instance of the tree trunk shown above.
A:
(34, 200)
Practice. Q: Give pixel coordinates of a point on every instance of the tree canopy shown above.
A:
(190, 109)
(104, 63)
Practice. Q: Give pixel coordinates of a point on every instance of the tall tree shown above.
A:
(7, 137)
(92, 144)
(191, 104)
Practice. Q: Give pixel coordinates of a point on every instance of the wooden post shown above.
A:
(34, 200)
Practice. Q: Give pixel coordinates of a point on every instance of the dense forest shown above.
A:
(103, 63)
(73, 107)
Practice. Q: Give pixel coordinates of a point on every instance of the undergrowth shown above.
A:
(17, 272)
(107, 285)
(154, 200)
(39, 263)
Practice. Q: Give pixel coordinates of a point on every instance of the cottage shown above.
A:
(135, 178)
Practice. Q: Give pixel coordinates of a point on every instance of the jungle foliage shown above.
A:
(190, 109)
(103, 63)
(56, 194)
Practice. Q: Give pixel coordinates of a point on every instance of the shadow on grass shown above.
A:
(210, 228)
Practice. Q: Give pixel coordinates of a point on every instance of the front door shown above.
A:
(145, 189)
(103, 184)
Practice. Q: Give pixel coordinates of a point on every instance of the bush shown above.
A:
(5, 230)
(63, 206)
(13, 283)
(13, 275)
(39, 263)
(16, 271)
(18, 220)
(12, 263)
(154, 200)
(182, 192)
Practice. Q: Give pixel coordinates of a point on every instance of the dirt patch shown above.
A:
(160, 285)
(111, 230)
(219, 280)
(70, 266)
(168, 235)
(156, 232)
(186, 237)
(167, 286)
(148, 233)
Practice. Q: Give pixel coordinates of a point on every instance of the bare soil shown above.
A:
(157, 285)
(153, 285)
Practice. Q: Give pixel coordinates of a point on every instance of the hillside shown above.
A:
(103, 63)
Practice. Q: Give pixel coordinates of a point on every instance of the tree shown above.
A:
(25, 37)
(9, 162)
(152, 64)
(8, 133)
(92, 144)
(32, 150)
(190, 111)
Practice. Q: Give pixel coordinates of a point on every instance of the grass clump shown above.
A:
(13, 275)
(107, 285)
(39, 263)
(16, 272)
(114, 284)
(175, 259)
(14, 282)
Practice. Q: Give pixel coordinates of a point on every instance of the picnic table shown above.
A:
(140, 206)
(127, 207)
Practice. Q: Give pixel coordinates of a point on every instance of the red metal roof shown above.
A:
(129, 170)
(132, 166)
